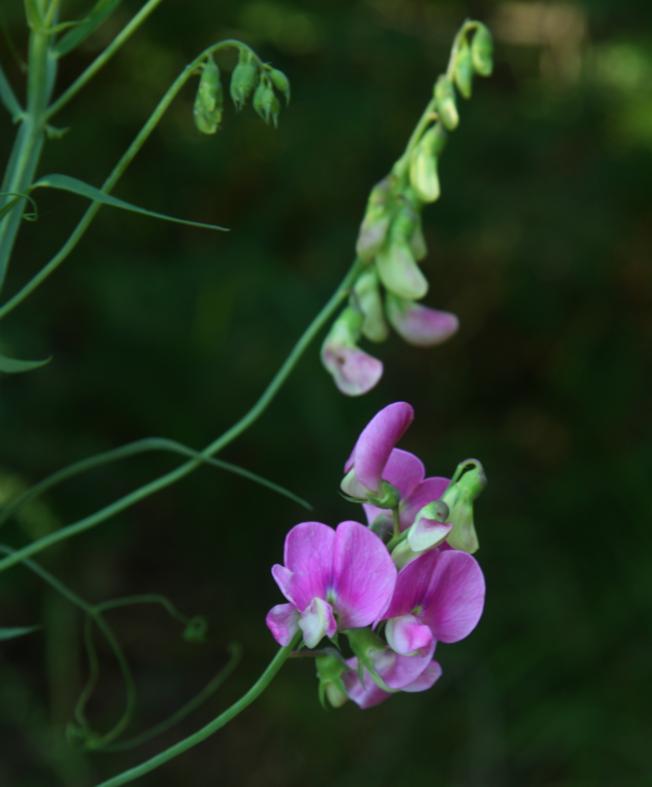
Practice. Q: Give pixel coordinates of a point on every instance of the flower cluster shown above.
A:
(393, 588)
(391, 243)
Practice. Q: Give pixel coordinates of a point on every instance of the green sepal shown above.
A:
(332, 692)
(463, 69)
(209, 101)
(482, 48)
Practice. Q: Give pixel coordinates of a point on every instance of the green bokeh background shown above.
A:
(540, 242)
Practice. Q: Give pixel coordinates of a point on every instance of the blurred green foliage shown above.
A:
(540, 242)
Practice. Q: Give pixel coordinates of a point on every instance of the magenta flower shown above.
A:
(438, 597)
(334, 580)
(406, 473)
(420, 325)
(365, 467)
(413, 673)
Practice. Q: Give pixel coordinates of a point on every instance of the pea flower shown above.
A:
(333, 580)
(365, 467)
(438, 597)
(355, 372)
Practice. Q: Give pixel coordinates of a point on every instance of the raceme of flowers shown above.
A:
(378, 598)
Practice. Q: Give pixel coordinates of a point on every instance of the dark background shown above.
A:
(540, 243)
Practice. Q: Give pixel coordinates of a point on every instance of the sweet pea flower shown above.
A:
(355, 372)
(334, 580)
(438, 597)
(406, 473)
(417, 672)
(365, 467)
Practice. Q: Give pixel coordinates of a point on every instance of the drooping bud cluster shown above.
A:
(391, 243)
(251, 79)
(392, 589)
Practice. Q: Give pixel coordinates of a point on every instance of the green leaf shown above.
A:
(8, 96)
(14, 366)
(101, 11)
(17, 631)
(33, 15)
(82, 189)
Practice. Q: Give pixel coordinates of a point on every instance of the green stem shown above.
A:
(215, 447)
(127, 451)
(28, 144)
(209, 729)
(115, 175)
(103, 58)
(9, 97)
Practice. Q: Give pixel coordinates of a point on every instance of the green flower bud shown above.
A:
(281, 83)
(463, 69)
(459, 498)
(265, 102)
(423, 170)
(418, 243)
(375, 224)
(243, 79)
(367, 297)
(207, 110)
(482, 48)
(331, 686)
(446, 104)
(400, 273)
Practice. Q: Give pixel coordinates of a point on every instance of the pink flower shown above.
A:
(365, 467)
(413, 673)
(334, 580)
(355, 372)
(438, 597)
(406, 473)
(420, 325)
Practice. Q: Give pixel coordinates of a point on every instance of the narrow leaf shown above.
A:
(33, 14)
(101, 11)
(17, 631)
(14, 366)
(8, 96)
(82, 189)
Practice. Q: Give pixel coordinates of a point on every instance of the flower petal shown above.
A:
(406, 634)
(427, 679)
(283, 621)
(377, 440)
(316, 622)
(355, 372)
(420, 325)
(428, 490)
(364, 575)
(427, 533)
(309, 556)
(455, 596)
(412, 585)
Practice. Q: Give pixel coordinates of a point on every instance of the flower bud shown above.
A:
(207, 110)
(418, 242)
(354, 371)
(482, 47)
(446, 104)
(423, 173)
(463, 69)
(375, 224)
(281, 83)
(243, 79)
(331, 686)
(430, 527)
(400, 273)
(367, 297)
(265, 102)
(459, 498)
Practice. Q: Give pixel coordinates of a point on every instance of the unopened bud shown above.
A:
(400, 273)
(243, 79)
(375, 224)
(459, 497)
(482, 47)
(265, 102)
(463, 69)
(207, 110)
(423, 172)
(281, 83)
(331, 686)
(367, 296)
(446, 104)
